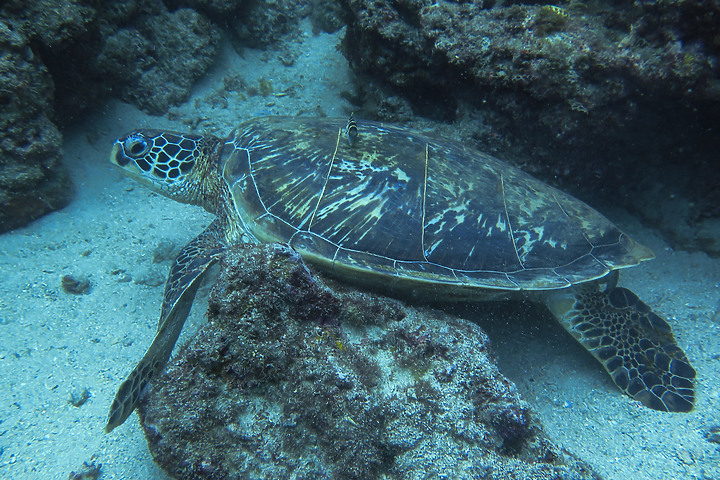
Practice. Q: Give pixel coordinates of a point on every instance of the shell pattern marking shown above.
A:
(399, 203)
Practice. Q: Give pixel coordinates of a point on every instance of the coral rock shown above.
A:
(32, 181)
(296, 376)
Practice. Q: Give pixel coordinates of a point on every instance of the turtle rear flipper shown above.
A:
(636, 346)
(180, 289)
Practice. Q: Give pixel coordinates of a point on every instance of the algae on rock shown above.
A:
(297, 375)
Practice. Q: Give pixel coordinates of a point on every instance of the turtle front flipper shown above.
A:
(180, 288)
(636, 346)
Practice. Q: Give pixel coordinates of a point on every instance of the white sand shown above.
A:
(54, 344)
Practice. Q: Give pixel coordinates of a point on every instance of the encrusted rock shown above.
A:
(263, 22)
(32, 181)
(155, 62)
(295, 376)
(77, 285)
(59, 58)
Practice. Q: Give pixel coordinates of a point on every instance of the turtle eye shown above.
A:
(136, 146)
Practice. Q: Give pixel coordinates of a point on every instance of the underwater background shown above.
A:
(616, 103)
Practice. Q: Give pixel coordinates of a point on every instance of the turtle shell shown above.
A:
(395, 206)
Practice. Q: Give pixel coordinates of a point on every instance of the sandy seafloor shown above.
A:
(54, 344)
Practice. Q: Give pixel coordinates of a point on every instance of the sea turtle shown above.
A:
(381, 205)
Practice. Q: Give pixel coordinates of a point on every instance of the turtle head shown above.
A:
(178, 165)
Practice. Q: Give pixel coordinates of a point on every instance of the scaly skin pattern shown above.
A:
(182, 284)
(634, 345)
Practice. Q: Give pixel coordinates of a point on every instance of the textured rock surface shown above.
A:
(66, 35)
(255, 23)
(263, 22)
(138, 50)
(32, 182)
(292, 379)
(154, 62)
(59, 58)
(603, 96)
(579, 66)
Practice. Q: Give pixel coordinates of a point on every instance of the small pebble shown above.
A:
(713, 435)
(78, 398)
(123, 276)
(75, 285)
(89, 471)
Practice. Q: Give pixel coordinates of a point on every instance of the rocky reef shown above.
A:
(139, 51)
(295, 376)
(32, 180)
(61, 58)
(154, 62)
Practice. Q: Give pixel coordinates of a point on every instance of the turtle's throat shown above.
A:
(205, 185)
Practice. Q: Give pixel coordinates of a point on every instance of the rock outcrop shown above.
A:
(299, 377)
